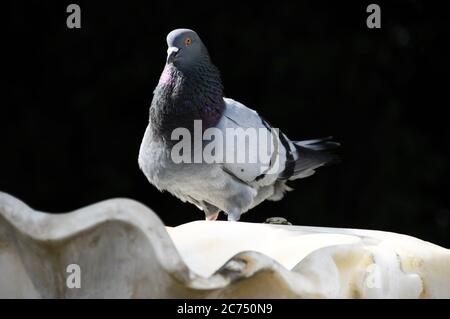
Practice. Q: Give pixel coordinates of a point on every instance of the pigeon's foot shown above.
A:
(234, 215)
(212, 217)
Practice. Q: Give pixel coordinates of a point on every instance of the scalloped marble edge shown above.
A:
(125, 251)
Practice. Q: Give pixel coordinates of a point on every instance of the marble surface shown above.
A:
(123, 250)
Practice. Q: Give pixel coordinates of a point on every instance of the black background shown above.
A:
(76, 103)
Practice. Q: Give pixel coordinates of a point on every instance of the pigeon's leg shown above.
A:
(234, 215)
(212, 216)
(211, 211)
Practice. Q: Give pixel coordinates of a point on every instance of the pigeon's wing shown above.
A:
(277, 157)
(255, 153)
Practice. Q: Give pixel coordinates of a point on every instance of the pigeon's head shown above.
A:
(185, 48)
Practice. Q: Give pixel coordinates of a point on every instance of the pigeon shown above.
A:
(189, 101)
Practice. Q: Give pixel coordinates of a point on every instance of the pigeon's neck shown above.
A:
(184, 96)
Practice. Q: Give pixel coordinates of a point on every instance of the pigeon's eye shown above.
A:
(188, 41)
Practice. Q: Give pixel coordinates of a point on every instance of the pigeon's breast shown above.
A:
(153, 159)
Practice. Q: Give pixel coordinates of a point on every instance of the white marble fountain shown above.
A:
(120, 249)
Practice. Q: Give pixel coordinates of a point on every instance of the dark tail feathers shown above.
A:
(313, 154)
(319, 144)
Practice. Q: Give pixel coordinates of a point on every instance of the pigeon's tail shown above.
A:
(312, 154)
(319, 144)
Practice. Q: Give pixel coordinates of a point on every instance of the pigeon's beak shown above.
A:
(171, 53)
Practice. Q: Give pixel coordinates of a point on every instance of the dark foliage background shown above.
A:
(76, 103)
